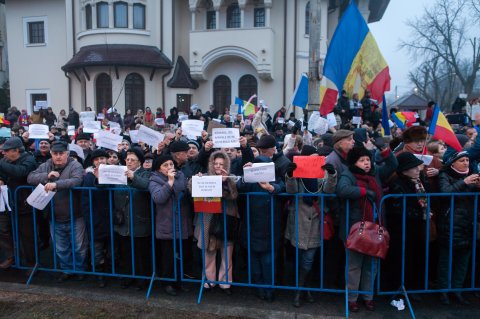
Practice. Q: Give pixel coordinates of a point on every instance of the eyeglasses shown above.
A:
(131, 160)
(148, 161)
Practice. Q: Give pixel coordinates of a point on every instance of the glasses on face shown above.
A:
(131, 160)
(149, 161)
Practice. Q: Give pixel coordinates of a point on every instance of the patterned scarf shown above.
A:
(421, 198)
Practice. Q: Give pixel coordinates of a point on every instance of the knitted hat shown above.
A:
(193, 142)
(406, 161)
(414, 133)
(179, 146)
(266, 141)
(138, 152)
(340, 135)
(355, 154)
(158, 161)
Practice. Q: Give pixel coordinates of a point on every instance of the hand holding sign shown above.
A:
(226, 137)
(207, 186)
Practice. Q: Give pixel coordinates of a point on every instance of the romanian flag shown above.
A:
(207, 205)
(404, 119)
(246, 107)
(385, 124)
(4, 121)
(353, 62)
(440, 129)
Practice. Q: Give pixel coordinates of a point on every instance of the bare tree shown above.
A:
(448, 31)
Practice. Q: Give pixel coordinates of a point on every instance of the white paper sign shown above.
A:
(149, 136)
(39, 131)
(87, 116)
(259, 172)
(71, 130)
(192, 127)
(280, 120)
(41, 105)
(160, 121)
(112, 124)
(317, 123)
(112, 174)
(290, 123)
(134, 136)
(207, 186)
(91, 126)
(332, 121)
(5, 132)
(108, 140)
(77, 149)
(225, 137)
(356, 120)
(39, 198)
(4, 205)
(100, 116)
(182, 118)
(427, 159)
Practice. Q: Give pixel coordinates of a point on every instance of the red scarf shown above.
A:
(368, 182)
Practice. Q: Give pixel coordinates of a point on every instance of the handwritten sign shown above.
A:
(108, 140)
(112, 174)
(134, 136)
(91, 126)
(207, 186)
(5, 132)
(37, 131)
(87, 116)
(39, 198)
(192, 127)
(259, 172)
(214, 124)
(77, 149)
(309, 166)
(149, 136)
(160, 121)
(226, 137)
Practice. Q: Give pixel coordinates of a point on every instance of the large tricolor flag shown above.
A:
(300, 96)
(353, 62)
(440, 129)
(404, 119)
(246, 107)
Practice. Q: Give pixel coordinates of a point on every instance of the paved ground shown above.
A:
(45, 298)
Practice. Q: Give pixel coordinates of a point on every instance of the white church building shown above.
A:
(163, 53)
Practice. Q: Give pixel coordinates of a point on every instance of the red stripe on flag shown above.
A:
(329, 101)
(380, 84)
(444, 134)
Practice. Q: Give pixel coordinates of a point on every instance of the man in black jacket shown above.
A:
(14, 169)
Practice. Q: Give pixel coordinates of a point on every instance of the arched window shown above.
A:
(138, 16)
(134, 92)
(222, 92)
(120, 10)
(88, 17)
(102, 15)
(233, 16)
(307, 18)
(247, 86)
(211, 15)
(103, 91)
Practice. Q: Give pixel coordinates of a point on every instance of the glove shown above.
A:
(379, 143)
(371, 195)
(329, 168)
(290, 168)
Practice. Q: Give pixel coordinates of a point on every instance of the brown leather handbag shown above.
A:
(369, 238)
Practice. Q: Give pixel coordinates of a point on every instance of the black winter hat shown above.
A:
(266, 141)
(138, 152)
(406, 161)
(158, 161)
(356, 153)
(98, 153)
(179, 146)
(308, 150)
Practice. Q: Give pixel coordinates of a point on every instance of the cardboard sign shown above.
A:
(259, 172)
(38, 131)
(309, 166)
(214, 124)
(91, 126)
(207, 186)
(149, 136)
(112, 174)
(108, 140)
(192, 128)
(225, 137)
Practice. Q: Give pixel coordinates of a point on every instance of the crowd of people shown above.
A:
(361, 166)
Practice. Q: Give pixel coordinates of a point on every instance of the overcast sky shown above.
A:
(388, 32)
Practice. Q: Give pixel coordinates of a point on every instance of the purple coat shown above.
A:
(166, 204)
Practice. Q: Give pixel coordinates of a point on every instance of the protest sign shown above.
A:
(309, 166)
(192, 127)
(5, 132)
(41, 105)
(108, 140)
(182, 118)
(290, 124)
(207, 186)
(77, 149)
(356, 120)
(38, 131)
(427, 159)
(87, 116)
(100, 116)
(160, 121)
(134, 136)
(317, 123)
(214, 124)
(112, 174)
(149, 136)
(112, 124)
(332, 121)
(39, 198)
(91, 126)
(259, 172)
(71, 130)
(280, 120)
(225, 137)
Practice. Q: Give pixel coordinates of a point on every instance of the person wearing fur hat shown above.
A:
(361, 184)
(218, 164)
(166, 184)
(309, 218)
(456, 177)
(97, 219)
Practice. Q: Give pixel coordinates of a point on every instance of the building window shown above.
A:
(102, 15)
(211, 19)
(88, 16)
(259, 17)
(138, 16)
(37, 97)
(103, 91)
(222, 92)
(34, 96)
(247, 86)
(35, 31)
(307, 18)
(134, 92)
(184, 101)
(233, 16)
(120, 10)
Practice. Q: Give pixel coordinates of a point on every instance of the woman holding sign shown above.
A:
(213, 235)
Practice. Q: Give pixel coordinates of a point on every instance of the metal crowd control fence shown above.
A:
(276, 204)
